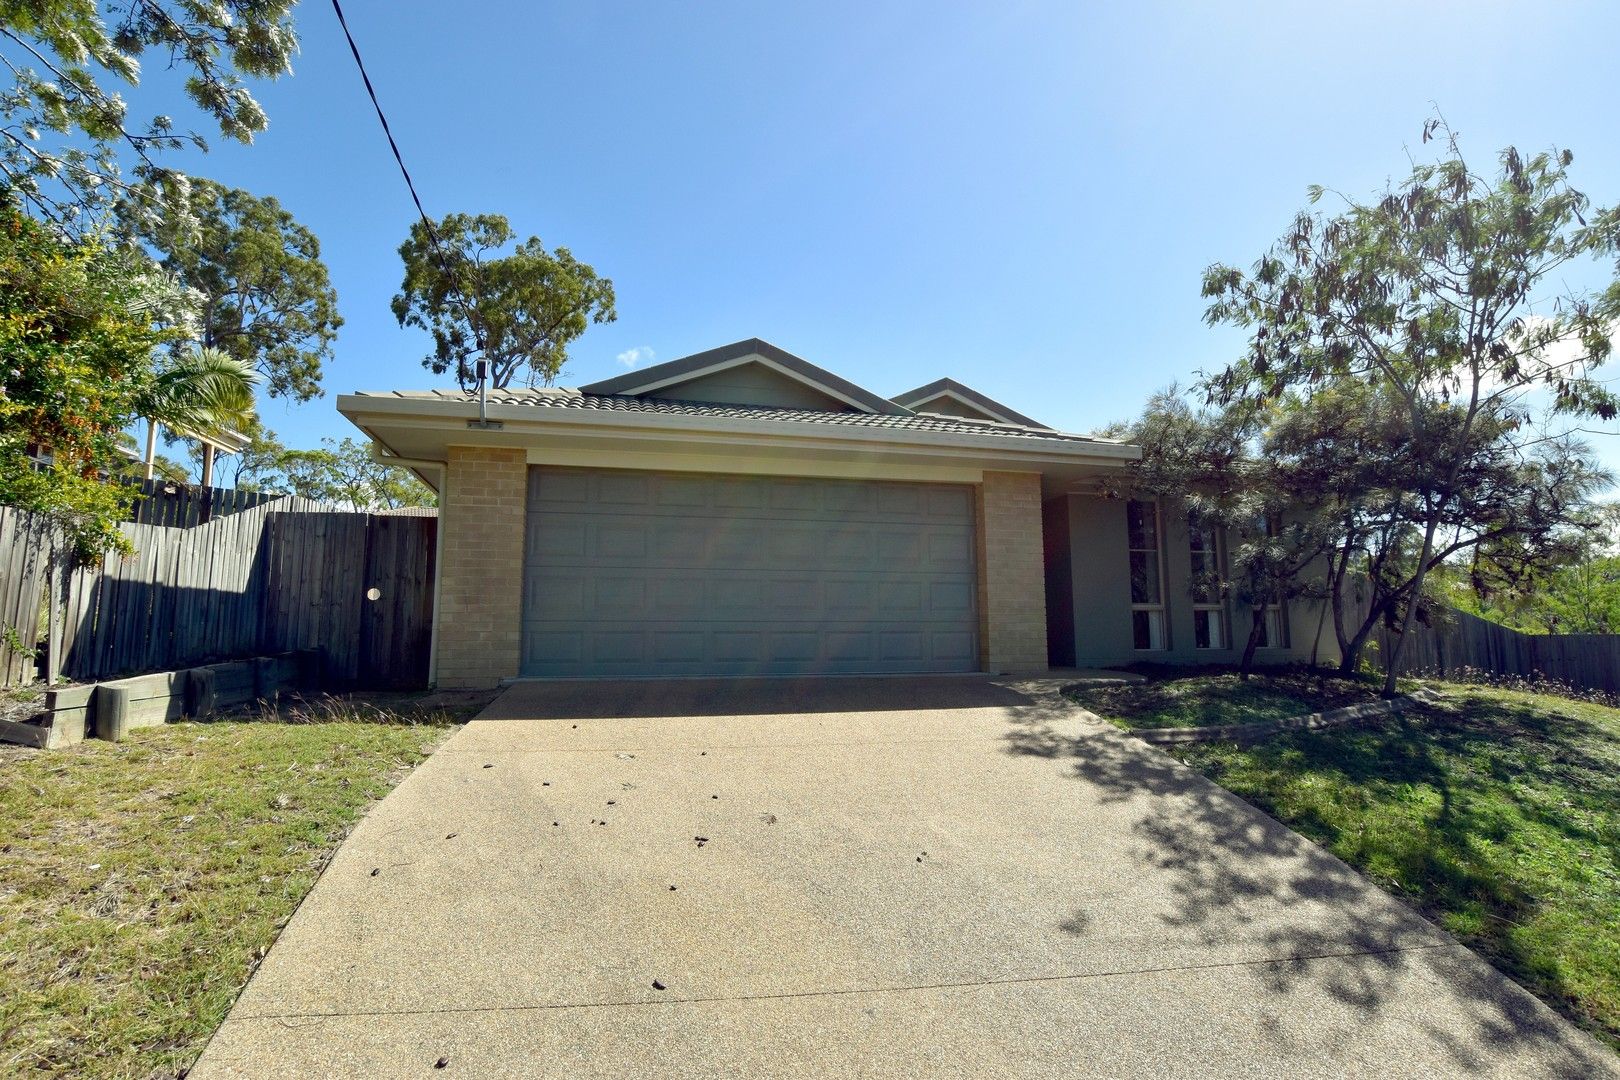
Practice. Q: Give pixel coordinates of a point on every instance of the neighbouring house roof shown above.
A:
(950, 390)
(406, 511)
(566, 398)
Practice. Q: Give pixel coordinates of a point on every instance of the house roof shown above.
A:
(820, 425)
(950, 388)
(564, 398)
(691, 367)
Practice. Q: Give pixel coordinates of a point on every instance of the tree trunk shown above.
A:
(1391, 662)
(1336, 600)
(151, 446)
(1316, 641)
(1350, 658)
(1256, 629)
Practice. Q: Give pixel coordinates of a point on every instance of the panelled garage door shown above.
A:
(641, 573)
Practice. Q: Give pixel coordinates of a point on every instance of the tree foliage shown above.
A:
(1442, 303)
(78, 325)
(1205, 461)
(265, 295)
(1575, 592)
(65, 127)
(200, 392)
(519, 311)
(345, 473)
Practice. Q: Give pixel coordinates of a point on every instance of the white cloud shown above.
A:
(635, 357)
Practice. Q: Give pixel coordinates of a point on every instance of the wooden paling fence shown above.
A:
(285, 574)
(164, 502)
(28, 558)
(1461, 642)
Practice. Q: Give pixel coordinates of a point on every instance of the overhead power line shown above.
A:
(382, 119)
(427, 222)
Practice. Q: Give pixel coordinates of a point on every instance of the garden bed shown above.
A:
(1199, 698)
(66, 714)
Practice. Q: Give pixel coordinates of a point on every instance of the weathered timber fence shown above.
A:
(320, 571)
(28, 549)
(281, 576)
(1459, 642)
(163, 502)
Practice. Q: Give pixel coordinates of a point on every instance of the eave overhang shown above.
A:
(425, 428)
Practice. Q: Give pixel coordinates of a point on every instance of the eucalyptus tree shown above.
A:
(264, 295)
(518, 312)
(345, 472)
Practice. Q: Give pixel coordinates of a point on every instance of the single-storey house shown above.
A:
(743, 511)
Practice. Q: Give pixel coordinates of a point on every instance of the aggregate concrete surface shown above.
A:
(931, 876)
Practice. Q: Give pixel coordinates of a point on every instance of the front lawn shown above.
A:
(1204, 699)
(140, 882)
(1497, 813)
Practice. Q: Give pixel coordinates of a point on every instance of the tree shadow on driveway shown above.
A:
(1231, 871)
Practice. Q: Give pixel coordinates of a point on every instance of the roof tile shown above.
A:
(566, 398)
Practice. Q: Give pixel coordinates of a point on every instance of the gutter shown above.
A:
(539, 418)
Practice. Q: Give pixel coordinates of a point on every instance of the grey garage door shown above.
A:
(641, 573)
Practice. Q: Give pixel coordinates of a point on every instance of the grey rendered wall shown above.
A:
(945, 406)
(1100, 583)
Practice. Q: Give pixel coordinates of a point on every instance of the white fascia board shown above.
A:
(922, 406)
(367, 411)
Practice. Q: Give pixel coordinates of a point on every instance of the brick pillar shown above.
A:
(481, 526)
(1012, 574)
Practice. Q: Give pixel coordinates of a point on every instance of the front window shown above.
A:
(1274, 619)
(1274, 627)
(1147, 575)
(1210, 628)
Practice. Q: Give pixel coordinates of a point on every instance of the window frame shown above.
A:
(1158, 615)
(1274, 617)
(1216, 611)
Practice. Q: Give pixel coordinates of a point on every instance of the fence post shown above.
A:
(53, 615)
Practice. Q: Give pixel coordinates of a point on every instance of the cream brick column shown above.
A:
(1012, 573)
(481, 525)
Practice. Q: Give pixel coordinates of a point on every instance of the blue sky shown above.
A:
(1020, 195)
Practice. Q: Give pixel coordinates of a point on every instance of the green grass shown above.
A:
(1495, 812)
(1204, 699)
(140, 882)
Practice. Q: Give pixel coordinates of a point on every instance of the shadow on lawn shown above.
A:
(1229, 867)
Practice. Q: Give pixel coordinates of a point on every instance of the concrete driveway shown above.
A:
(853, 877)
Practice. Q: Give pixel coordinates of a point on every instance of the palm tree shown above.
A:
(203, 394)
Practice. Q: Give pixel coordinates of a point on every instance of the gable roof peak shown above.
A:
(988, 407)
(749, 350)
